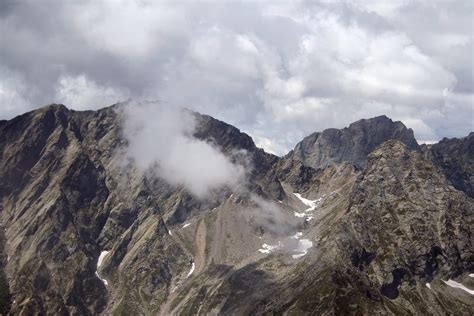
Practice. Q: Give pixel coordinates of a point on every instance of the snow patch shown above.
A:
(428, 285)
(298, 235)
(312, 204)
(102, 279)
(169, 232)
(471, 275)
(266, 248)
(303, 246)
(458, 285)
(192, 270)
(99, 263)
(101, 258)
(186, 225)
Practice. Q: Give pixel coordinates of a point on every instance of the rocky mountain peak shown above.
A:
(351, 144)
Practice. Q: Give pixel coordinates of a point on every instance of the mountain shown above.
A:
(354, 221)
(351, 144)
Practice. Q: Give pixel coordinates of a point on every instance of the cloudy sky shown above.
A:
(278, 70)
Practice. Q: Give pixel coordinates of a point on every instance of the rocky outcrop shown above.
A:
(455, 157)
(406, 226)
(351, 144)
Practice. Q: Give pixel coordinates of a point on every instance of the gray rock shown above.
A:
(455, 157)
(351, 144)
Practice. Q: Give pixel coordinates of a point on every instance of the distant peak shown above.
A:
(54, 106)
(376, 119)
(353, 143)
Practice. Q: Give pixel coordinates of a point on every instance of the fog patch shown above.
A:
(273, 218)
(160, 142)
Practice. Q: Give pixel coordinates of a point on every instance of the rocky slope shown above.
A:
(455, 157)
(375, 219)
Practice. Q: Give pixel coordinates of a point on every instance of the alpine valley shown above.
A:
(355, 221)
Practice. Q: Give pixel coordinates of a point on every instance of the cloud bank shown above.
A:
(160, 142)
(276, 70)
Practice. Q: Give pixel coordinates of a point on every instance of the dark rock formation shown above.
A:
(351, 144)
(455, 157)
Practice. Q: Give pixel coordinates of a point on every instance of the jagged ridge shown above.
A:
(387, 223)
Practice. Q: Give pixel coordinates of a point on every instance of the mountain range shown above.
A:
(354, 221)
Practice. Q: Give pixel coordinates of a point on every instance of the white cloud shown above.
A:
(13, 93)
(160, 140)
(82, 94)
(424, 133)
(132, 29)
(245, 44)
(388, 9)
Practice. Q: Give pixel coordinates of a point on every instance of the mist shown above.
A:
(160, 142)
(271, 216)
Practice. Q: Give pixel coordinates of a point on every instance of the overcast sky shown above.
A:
(277, 70)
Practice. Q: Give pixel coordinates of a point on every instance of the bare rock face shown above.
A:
(52, 194)
(405, 227)
(353, 221)
(455, 157)
(351, 144)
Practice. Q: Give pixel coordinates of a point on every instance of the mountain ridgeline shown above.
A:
(351, 144)
(355, 221)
